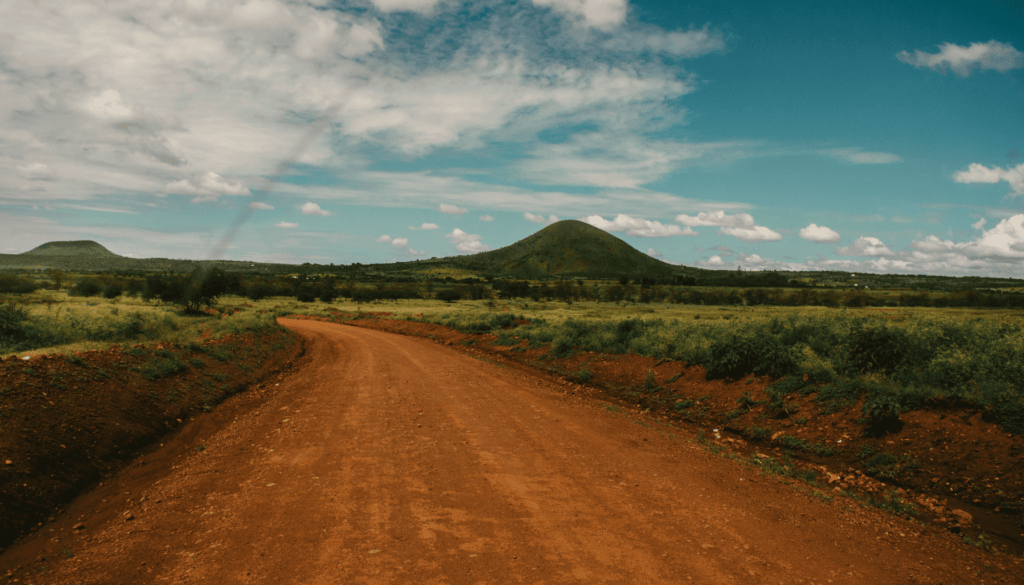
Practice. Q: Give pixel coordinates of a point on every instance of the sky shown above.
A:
(881, 137)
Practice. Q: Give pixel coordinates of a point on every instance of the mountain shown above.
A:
(568, 248)
(82, 248)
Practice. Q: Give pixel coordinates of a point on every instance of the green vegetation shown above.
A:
(846, 359)
(68, 324)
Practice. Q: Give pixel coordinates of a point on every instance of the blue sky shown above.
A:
(864, 136)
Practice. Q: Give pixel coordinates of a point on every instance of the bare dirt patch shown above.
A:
(68, 421)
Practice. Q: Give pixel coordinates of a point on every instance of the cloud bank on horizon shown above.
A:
(149, 126)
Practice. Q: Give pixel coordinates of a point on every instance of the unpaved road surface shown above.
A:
(389, 459)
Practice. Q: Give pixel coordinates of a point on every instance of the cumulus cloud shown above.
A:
(486, 218)
(980, 224)
(653, 253)
(286, 224)
(400, 242)
(310, 208)
(384, 238)
(425, 226)
(993, 55)
(35, 172)
(540, 218)
(260, 205)
(452, 209)
(741, 225)
(753, 259)
(637, 227)
(865, 246)
(469, 243)
(979, 173)
(820, 234)
(858, 157)
(600, 14)
(207, 187)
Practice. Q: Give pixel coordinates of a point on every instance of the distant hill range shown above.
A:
(566, 249)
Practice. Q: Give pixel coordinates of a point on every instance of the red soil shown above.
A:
(384, 458)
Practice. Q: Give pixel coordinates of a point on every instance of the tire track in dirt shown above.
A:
(389, 459)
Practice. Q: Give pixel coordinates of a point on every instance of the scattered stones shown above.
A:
(79, 526)
(128, 516)
(963, 518)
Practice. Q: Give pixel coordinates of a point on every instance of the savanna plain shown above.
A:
(494, 433)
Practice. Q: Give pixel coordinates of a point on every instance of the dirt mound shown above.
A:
(69, 421)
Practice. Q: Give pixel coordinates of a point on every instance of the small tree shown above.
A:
(448, 295)
(194, 291)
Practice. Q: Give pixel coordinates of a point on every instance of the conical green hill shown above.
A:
(569, 248)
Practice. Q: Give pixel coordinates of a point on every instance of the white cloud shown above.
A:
(469, 243)
(714, 261)
(740, 225)
(753, 259)
(486, 218)
(540, 218)
(260, 205)
(400, 242)
(618, 161)
(716, 219)
(980, 224)
(1005, 239)
(637, 227)
(691, 43)
(108, 105)
(452, 209)
(384, 238)
(207, 187)
(865, 246)
(820, 234)
(35, 172)
(421, 6)
(653, 253)
(758, 233)
(425, 226)
(979, 173)
(286, 224)
(600, 14)
(310, 208)
(858, 157)
(992, 55)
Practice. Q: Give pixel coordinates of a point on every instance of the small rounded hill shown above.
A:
(72, 248)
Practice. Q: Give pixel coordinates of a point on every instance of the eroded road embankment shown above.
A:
(389, 459)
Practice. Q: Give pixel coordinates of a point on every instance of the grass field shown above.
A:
(894, 359)
(55, 322)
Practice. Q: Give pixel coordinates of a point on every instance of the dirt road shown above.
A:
(389, 459)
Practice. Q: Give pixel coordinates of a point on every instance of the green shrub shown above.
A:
(584, 374)
(882, 409)
(305, 294)
(448, 295)
(838, 396)
(740, 354)
(86, 287)
(10, 283)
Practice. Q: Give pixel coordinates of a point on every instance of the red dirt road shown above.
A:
(389, 459)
